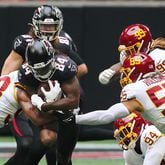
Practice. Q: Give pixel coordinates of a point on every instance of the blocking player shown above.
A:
(133, 38)
(42, 67)
(15, 98)
(47, 22)
(142, 142)
(143, 91)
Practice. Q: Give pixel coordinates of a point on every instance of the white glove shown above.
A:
(105, 76)
(54, 93)
(37, 101)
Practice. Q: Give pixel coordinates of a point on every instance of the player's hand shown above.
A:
(54, 93)
(105, 76)
(68, 117)
(37, 101)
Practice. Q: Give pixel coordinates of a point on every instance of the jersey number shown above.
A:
(151, 139)
(155, 99)
(4, 83)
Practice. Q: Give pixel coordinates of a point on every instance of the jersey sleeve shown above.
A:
(73, 53)
(128, 92)
(65, 44)
(20, 43)
(66, 68)
(26, 78)
(75, 57)
(155, 146)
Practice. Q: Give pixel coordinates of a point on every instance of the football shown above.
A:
(45, 85)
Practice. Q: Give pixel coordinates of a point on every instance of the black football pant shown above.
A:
(27, 139)
(30, 150)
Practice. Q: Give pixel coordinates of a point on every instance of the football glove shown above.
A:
(37, 101)
(105, 76)
(54, 93)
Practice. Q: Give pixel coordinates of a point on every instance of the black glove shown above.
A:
(66, 117)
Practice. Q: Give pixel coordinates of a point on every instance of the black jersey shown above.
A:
(20, 44)
(66, 45)
(65, 69)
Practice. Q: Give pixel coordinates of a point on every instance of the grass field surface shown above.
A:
(94, 157)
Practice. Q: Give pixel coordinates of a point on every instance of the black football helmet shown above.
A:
(40, 58)
(47, 21)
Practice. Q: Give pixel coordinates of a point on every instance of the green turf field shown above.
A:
(77, 161)
(85, 162)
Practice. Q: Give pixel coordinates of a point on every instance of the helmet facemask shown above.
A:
(40, 58)
(42, 71)
(129, 129)
(47, 29)
(126, 137)
(125, 76)
(135, 67)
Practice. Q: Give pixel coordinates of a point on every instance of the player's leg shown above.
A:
(51, 155)
(24, 136)
(51, 150)
(37, 149)
(67, 138)
(48, 136)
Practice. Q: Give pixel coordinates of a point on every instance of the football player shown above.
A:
(142, 142)
(136, 38)
(14, 98)
(47, 22)
(143, 91)
(41, 67)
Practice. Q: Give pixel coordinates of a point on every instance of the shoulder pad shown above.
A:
(151, 134)
(128, 92)
(65, 67)
(20, 44)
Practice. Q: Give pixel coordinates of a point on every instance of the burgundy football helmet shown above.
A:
(135, 38)
(135, 67)
(128, 130)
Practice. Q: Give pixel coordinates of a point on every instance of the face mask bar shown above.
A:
(125, 136)
(43, 72)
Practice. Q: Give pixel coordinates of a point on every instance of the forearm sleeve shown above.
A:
(99, 117)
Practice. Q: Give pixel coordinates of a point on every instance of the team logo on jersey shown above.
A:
(73, 68)
(17, 43)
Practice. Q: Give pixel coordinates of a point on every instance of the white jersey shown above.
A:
(150, 93)
(8, 98)
(152, 148)
(158, 55)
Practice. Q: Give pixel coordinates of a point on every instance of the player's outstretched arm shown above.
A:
(99, 117)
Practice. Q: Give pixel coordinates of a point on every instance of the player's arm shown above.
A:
(31, 112)
(82, 70)
(116, 111)
(113, 72)
(15, 59)
(63, 45)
